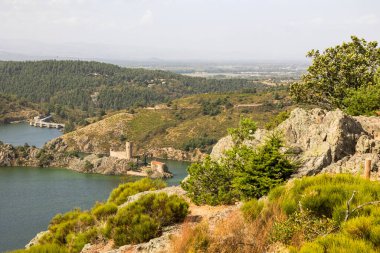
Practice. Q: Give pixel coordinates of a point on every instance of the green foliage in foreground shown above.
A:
(136, 222)
(142, 220)
(256, 171)
(209, 183)
(243, 173)
(123, 191)
(315, 208)
(47, 248)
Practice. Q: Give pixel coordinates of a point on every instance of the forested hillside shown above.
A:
(86, 85)
(13, 109)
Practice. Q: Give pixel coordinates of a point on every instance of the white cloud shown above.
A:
(147, 18)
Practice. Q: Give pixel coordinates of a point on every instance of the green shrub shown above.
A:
(135, 229)
(258, 171)
(365, 228)
(243, 173)
(123, 191)
(210, 182)
(47, 248)
(302, 224)
(251, 209)
(326, 195)
(364, 100)
(142, 220)
(63, 228)
(76, 241)
(104, 210)
(337, 243)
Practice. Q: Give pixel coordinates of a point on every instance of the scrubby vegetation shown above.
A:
(243, 173)
(123, 191)
(143, 219)
(182, 126)
(135, 222)
(324, 213)
(46, 248)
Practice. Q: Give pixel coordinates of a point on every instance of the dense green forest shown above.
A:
(86, 85)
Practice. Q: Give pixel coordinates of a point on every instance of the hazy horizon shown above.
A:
(181, 30)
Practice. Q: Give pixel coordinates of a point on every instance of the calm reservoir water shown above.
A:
(30, 197)
(21, 133)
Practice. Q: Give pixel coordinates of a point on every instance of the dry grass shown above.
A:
(232, 234)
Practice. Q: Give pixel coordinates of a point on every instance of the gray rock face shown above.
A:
(325, 137)
(18, 156)
(320, 140)
(176, 154)
(102, 165)
(35, 240)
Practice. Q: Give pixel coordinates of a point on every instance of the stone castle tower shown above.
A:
(127, 154)
(128, 150)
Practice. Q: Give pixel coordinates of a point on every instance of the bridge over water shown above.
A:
(38, 122)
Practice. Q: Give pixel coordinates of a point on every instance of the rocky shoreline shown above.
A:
(48, 156)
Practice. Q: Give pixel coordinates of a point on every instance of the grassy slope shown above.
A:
(175, 126)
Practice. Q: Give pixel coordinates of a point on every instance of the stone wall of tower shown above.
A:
(128, 150)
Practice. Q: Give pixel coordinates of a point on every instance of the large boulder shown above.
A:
(316, 138)
(324, 137)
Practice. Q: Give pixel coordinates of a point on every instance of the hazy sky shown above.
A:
(183, 29)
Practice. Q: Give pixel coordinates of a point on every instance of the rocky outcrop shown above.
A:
(323, 137)
(36, 239)
(323, 141)
(18, 156)
(176, 154)
(102, 165)
(113, 166)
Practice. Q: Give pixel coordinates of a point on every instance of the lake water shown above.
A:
(21, 133)
(30, 197)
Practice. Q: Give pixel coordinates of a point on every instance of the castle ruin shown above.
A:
(127, 154)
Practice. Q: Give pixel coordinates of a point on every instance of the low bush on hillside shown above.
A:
(305, 215)
(123, 191)
(213, 108)
(243, 173)
(210, 182)
(47, 248)
(104, 210)
(143, 219)
(136, 222)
